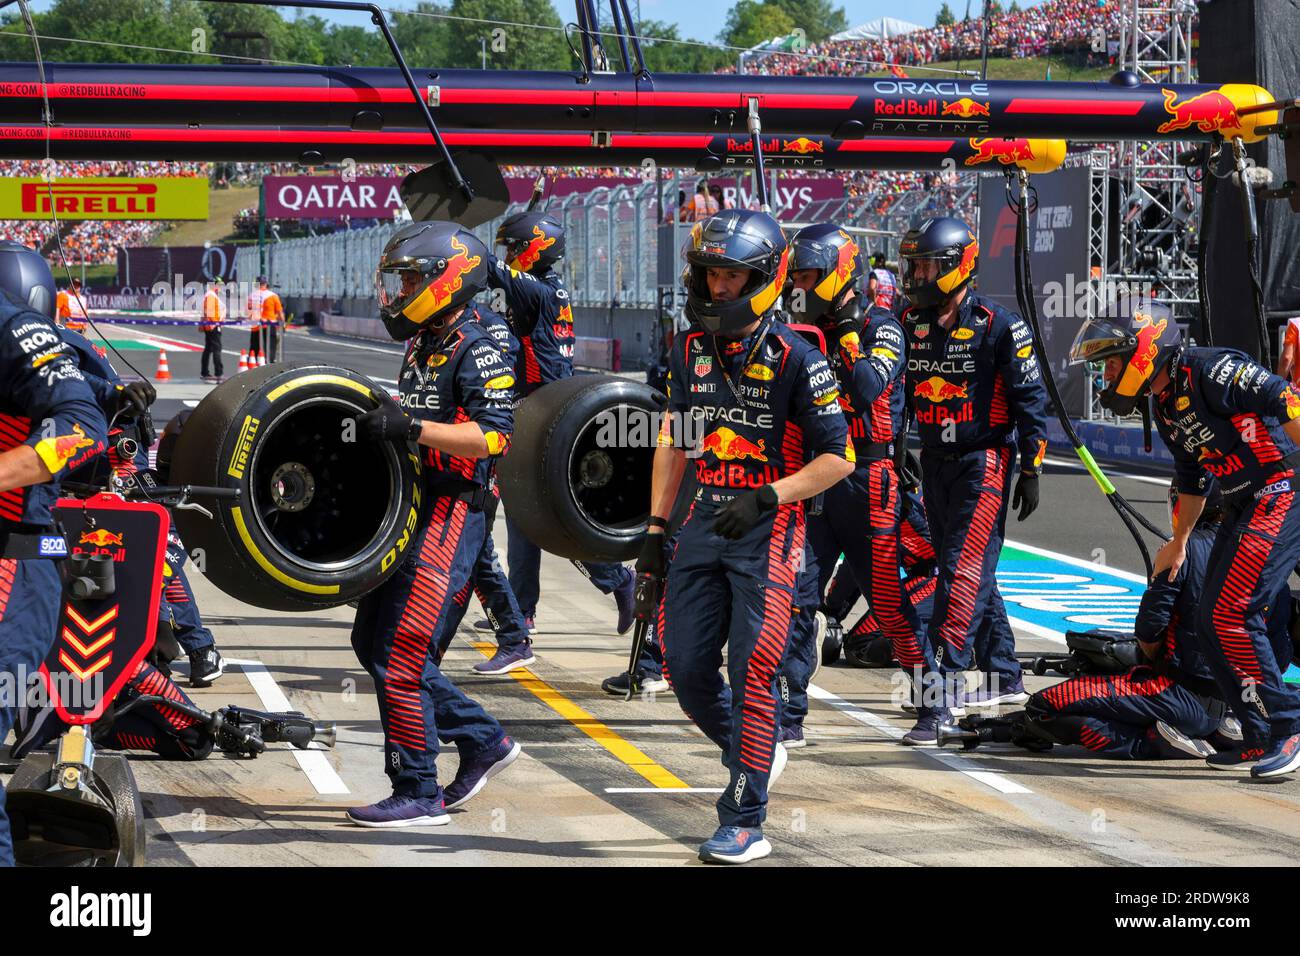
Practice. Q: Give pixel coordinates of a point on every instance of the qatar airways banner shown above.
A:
(378, 197)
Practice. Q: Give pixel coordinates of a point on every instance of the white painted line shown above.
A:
(951, 761)
(1078, 562)
(1056, 637)
(365, 348)
(313, 763)
(1110, 473)
(664, 789)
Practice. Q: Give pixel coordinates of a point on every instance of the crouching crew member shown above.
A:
(1223, 417)
(765, 402)
(456, 388)
(978, 393)
(50, 423)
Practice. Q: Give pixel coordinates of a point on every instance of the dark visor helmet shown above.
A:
(1140, 332)
(26, 276)
(534, 241)
(735, 239)
(952, 243)
(428, 270)
(838, 261)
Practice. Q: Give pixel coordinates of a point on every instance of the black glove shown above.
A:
(651, 561)
(136, 396)
(1026, 496)
(739, 515)
(842, 321)
(388, 423)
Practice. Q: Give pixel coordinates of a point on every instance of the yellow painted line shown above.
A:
(628, 753)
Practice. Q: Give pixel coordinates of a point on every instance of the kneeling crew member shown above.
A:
(50, 423)
(765, 400)
(457, 385)
(1223, 417)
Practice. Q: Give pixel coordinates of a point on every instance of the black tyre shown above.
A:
(832, 644)
(52, 828)
(323, 517)
(570, 489)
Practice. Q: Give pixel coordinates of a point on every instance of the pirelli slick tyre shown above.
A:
(324, 516)
(576, 479)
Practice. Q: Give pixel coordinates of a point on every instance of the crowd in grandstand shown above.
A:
(1050, 27)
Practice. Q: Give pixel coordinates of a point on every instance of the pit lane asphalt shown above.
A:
(854, 795)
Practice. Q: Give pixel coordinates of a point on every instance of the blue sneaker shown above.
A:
(735, 845)
(507, 659)
(792, 738)
(401, 811)
(474, 772)
(925, 733)
(1283, 757)
(1002, 697)
(625, 598)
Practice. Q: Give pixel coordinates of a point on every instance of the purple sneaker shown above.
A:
(401, 811)
(474, 772)
(1002, 697)
(506, 659)
(625, 598)
(791, 738)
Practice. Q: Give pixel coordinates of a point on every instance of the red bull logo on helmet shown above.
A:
(526, 259)
(1210, 112)
(1008, 152)
(1148, 336)
(965, 108)
(441, 290)
(726, 445)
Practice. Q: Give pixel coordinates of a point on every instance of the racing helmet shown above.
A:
(534, 241)
(952, 243)
(835, 255)
(1212, 513)
(26, 276)
(1143, 334)
(735, 239)
(427, 272)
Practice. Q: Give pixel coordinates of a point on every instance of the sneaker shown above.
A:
(402, 811)
(1283, 757)
(473, 774)
(1230, 728)
(792, 738)
(908, 707)
(483, 624)
(986, 697)
(206, 665)
(1172, 744)
(926, 731)
(1239, 758)
(625, 599)
(735, 845)
(650, 684)
(505, 660)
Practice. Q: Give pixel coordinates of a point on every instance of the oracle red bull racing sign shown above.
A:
(105, 197)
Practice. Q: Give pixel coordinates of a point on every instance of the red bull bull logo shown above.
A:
(803, 145)
(965, 108)
(726, 445)
(1148, 336)
(1008, 152)
(1292, 399)
(525, 261)
(448, 284)
(56, 452)
(101, 538)
(936, 389)
(1210, 112)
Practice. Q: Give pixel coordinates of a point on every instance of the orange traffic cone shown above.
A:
(243, 360)
(163, 374)
(261, 359)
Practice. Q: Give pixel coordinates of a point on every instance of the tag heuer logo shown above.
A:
(703, 365)
(922, 331)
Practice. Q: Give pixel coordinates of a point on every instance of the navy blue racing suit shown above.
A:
(490, 583)
(978, 394)
(1221, 417)
(764, 406)
(45, 404)
(537, 308)
(402, 626)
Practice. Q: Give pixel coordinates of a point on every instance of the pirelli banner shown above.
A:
(156, 197)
